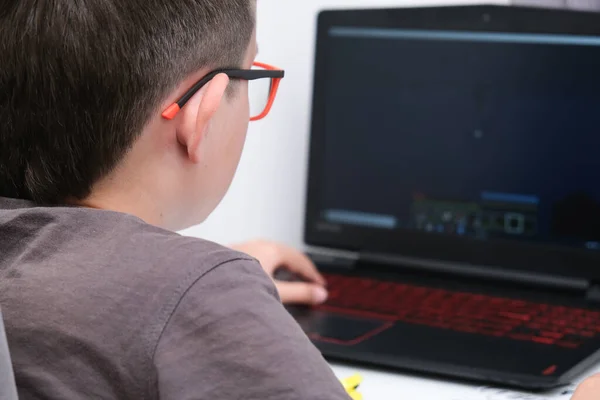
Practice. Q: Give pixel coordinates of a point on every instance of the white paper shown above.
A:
(492, 393)
(390, 385)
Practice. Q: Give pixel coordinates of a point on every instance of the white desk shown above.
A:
(381, 385)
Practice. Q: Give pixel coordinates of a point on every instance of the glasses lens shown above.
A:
(258, 93)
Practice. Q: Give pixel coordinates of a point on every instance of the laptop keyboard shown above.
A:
(521, 320)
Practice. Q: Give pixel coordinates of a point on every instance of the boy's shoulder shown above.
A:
(80, 255)
(93, 279)
(128, 252)
(106, 241)
(157, 250)
(158, 255)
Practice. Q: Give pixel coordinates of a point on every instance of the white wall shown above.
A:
(266, 199)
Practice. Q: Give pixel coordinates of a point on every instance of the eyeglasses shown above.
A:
(261, 92)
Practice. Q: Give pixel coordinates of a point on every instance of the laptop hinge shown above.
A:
(480, 272)
(332, 257)
(593, 293)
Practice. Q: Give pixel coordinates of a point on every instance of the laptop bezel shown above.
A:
(518, 256)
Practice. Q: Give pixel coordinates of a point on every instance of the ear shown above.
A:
(194, 119)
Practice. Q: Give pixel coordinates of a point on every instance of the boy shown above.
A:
(116, 131)
(100, 301)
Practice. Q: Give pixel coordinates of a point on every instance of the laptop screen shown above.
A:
(483, 135)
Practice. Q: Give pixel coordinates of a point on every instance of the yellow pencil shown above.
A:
(351, 384)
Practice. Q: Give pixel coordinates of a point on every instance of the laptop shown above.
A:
(454, 192)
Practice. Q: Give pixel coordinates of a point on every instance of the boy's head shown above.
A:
(82, 87)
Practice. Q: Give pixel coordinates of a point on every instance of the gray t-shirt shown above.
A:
(100, 305)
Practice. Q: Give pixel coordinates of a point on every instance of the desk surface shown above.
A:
(384, 385)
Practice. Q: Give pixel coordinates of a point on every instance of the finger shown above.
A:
(589, 389)
(300, 264)
(301, 293)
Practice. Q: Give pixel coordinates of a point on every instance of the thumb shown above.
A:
(301, 293)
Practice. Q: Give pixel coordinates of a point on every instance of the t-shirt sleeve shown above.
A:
(231, 338)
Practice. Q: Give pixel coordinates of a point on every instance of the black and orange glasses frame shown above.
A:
(267, 72)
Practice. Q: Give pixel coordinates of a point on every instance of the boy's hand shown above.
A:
(273, 256)
(589, 389)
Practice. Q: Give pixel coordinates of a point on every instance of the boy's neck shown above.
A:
(133, 202)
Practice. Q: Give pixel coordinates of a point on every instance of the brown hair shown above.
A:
(80, 79)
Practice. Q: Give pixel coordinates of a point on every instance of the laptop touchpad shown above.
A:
(337, 328)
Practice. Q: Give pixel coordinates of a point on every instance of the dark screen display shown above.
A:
(486, 135)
